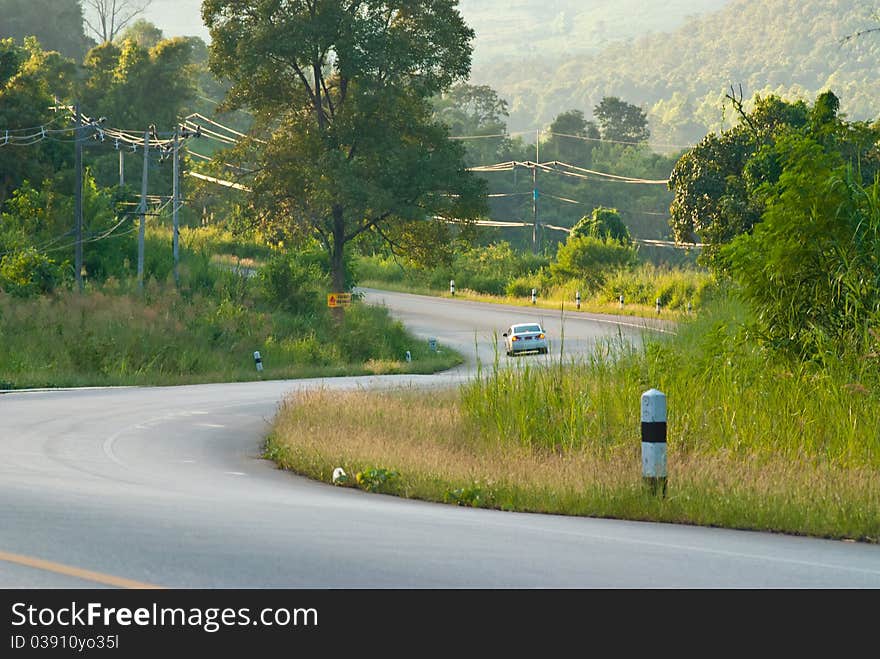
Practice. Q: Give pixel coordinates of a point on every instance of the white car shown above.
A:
(525, 337)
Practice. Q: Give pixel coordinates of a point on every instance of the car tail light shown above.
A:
(540, 336)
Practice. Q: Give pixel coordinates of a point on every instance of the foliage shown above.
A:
(470, 495)
(122, 80)
(603, 223)
(811, 267)
(481, 269)
(562, 144)
(621, 121)
(142, 32)
(27, 273)
(681, 71)
(674, 287)
(725, 393)
(293, 283)
(375, 479)
(28, 78)
(345, 98)
(720, 185)
(589, 260)
(57, 24)
(474, 110)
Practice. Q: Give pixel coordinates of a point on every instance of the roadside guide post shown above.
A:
(620, 299)
(654, 441)
(577, 299)
(452, 287)
(534, 296)
(258, 360)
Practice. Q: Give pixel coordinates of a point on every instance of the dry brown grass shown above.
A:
(435, 449)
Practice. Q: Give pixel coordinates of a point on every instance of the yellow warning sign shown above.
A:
(338, 300)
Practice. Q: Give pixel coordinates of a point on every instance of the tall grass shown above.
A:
(755, 441)
(724, 394)
(115, 336)
(641, 286)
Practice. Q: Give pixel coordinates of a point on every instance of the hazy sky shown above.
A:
(178, 18)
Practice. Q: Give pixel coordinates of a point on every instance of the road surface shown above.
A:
(140, 487)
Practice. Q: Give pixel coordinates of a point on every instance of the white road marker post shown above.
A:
(452, 287)
(690, 308)
(654, 441)
(258, 360)
(577, 299)
(658, 305)
(620, 299)
(534, 296)
(408, 356)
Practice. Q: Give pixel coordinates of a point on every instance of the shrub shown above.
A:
(293, 284)
(27, 273)
(591, 260)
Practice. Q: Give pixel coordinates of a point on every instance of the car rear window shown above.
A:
(527, 328)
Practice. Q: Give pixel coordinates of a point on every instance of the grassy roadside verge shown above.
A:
(555, 303)
(116, 337)
(754, 443)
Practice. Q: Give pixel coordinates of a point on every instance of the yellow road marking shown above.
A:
(79, 573)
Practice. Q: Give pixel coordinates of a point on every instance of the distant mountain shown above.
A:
(511, 28)
(794, 48)
(553, 29)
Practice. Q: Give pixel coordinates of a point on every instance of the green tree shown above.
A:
(719, 185)
(572, 138)
(342, 90)
(57, 24)
(811, 267)
(144, 33)
(603, 223)
(29, 79)
(135, 87)
(591, 260)
(621, 121)
(471, 111)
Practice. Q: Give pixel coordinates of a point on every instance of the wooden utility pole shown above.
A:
(78, 199)
(143, 210)
(175, 206)
(535, 193)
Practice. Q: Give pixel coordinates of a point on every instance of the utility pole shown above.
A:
(121, 168)
(143, 212)
(535, 193)
(175, 205)
(78, 199)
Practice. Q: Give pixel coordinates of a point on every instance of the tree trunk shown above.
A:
(337, 260)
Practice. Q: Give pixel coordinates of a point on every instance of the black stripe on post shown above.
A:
(654, 432)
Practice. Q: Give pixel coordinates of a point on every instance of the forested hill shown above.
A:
(554, 29)
(793, 48)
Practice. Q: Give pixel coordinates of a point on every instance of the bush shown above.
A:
(293, 283)
(591, 260)
(27, 273)
(811, 267)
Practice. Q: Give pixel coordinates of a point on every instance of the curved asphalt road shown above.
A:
(138, 487)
